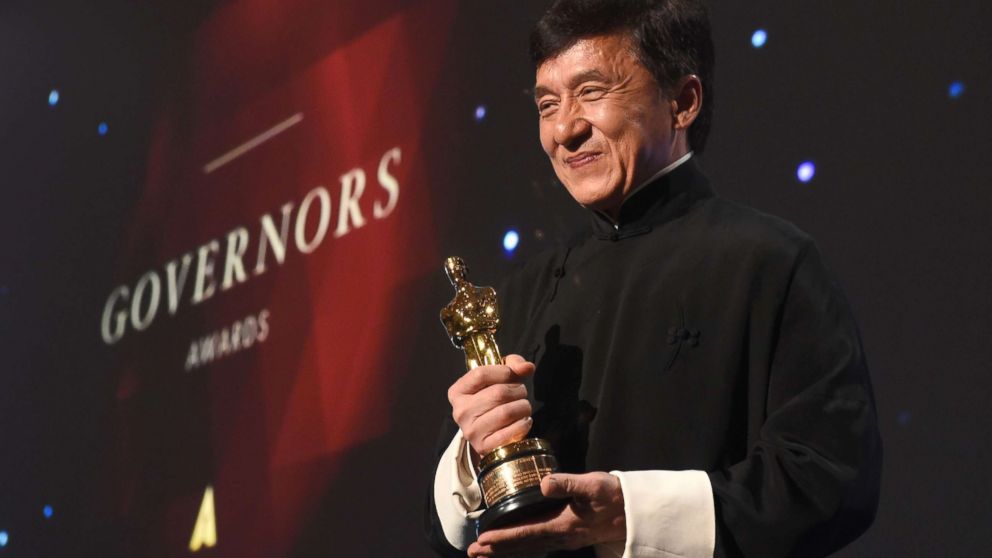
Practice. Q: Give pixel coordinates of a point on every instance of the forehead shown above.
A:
(612, 56)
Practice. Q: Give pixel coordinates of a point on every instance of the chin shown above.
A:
(596, 197)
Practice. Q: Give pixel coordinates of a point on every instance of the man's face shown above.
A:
(605, 124)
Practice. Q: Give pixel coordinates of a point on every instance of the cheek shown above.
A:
(548, 148)
(632, 136)
(547, 139)
(608, 118)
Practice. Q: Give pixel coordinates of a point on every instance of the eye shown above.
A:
(546, 108)
(591, 93)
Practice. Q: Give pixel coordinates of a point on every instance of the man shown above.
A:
(698, 370)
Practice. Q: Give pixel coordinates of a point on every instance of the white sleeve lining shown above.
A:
(457, 495)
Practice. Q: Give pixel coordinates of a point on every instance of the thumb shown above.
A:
(519, 365)
(563, 485)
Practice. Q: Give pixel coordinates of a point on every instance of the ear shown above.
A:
(687, 101)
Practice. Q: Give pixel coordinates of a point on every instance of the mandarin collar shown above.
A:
(661, 200)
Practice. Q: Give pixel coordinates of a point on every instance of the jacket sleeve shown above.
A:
(809, 482)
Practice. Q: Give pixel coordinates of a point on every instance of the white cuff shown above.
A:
(457, 494)
(668, 513)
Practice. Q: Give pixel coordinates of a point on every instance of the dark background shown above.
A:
(899, 205)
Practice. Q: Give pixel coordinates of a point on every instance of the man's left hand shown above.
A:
(595, 515)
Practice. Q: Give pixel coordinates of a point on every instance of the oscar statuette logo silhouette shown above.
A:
(510, 475)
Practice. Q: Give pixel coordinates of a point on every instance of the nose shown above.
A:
(571, 127)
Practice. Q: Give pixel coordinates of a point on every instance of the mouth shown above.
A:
(582, 159)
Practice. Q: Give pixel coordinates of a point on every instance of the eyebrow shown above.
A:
(581, 77)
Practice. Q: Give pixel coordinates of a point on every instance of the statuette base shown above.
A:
(518, 508)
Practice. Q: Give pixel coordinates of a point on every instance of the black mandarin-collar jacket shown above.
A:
(698, 333)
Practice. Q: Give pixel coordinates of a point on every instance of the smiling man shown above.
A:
(698, 370)
(605, 123)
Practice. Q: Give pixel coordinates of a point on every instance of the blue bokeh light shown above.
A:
(904, 418)
(102, 129)
(480, 113)
(759, 38)
(510, 240)
(53, 97)
(48, 512)
(4, 538)
(806, 171)
(956, 90)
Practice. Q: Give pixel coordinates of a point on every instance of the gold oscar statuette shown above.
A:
(510, 475)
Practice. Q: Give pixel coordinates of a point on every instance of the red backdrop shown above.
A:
(286, 102)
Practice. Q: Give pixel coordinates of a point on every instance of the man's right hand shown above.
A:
(490, 404)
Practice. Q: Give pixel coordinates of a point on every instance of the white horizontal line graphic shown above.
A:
(253, 143)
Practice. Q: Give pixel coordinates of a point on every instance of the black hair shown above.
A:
(672, 39)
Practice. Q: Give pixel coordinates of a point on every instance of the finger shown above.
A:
(527, 548)
(479, 551)
(481, 377)
(476, 550)
(556, 486)
(548, 533)
(495, 420)
(496, 395)
(520, 366)
(467, 409)
(564, 485)
(513, 433)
